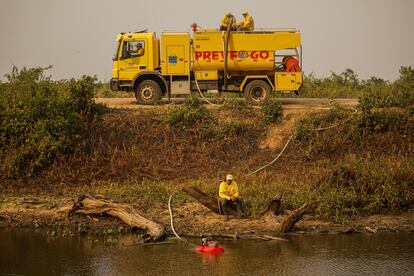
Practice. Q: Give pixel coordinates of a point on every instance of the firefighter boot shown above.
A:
(224, 208)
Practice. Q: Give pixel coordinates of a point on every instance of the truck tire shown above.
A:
(148, 92)
(257, 91)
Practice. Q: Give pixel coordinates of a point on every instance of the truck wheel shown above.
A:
(148, 92)
(257, 91)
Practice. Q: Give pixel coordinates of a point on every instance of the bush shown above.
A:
(272, 111)
(188, 114)
(41, 118)
(365, 187)
(236, 104)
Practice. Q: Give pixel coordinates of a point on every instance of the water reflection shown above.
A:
(32, 253)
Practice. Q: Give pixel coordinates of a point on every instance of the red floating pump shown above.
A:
(209, 247)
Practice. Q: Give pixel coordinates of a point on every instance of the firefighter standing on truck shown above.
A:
(247, 24)
(225, 21)
(229, 194)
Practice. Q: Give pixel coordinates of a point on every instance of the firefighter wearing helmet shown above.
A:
(226, 20)
(229, 195)
(247, 24)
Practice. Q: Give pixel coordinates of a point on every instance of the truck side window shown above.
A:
(133, 49)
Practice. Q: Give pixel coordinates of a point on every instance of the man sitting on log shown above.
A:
(229, 194)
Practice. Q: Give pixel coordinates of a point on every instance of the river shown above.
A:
(30, 252)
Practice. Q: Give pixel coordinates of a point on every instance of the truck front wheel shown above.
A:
(148, 92)
(257, 91)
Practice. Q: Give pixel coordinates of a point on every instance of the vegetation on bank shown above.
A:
(41, 119)
(52, 135)
(348, 85)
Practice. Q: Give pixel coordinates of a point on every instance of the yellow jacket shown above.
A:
(227, 191)
(247, 22)
(225, 20)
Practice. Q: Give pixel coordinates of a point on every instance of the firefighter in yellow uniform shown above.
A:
(225, 21)
(140, 50)
(247, 24)
(229, 194)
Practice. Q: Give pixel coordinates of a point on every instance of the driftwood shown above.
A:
(273, 206)
(87, 205)
(203, 198)
(274, 238)
(206, 200)
(295, 216)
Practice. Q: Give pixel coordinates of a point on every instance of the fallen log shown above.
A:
(295, 216)
(274, 205)
(274, 238)
(87, 205)
(203, 198)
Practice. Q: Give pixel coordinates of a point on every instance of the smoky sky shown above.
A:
(372, 37)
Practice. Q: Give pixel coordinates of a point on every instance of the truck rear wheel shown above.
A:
(148, 92)
(257, 91)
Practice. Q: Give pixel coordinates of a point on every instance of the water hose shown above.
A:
(196, 82)
(172, 218)
(274, 160)
(226, 51)
(290, 138)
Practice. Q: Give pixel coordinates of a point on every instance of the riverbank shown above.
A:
(191, 219)
(348, 163)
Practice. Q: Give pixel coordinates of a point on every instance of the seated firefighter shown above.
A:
(229, 194)
(228, 19)
(247, 24)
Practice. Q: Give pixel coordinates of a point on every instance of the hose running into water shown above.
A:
(172, 217)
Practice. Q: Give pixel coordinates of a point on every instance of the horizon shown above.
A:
(336, 35)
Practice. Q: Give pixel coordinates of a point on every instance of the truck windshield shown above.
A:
(115, 57)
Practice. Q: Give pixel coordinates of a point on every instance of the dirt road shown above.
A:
(292, 102)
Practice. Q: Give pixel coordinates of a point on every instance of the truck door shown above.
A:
(175, 62)
(134, 59)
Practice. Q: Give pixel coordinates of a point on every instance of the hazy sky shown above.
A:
(373, 37)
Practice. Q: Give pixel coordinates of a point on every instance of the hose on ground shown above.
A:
(172, 217)
(290, 138)
(274, 160)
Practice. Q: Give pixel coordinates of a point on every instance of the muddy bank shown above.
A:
(191, 219)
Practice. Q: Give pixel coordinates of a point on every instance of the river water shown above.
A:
(29, 252)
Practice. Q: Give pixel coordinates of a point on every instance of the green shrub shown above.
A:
(188, 114)
(343, 85)
(41, 118)
(366, 187)
(193, 103)
(236, 104)
(272, 111)
(387, 120)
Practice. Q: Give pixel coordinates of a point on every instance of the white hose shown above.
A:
(172, 218)
(335, 125)
(290, 138)
(196, 82)
(201, 93)
(274, 160)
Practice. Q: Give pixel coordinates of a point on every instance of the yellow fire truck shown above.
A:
(253, 63)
